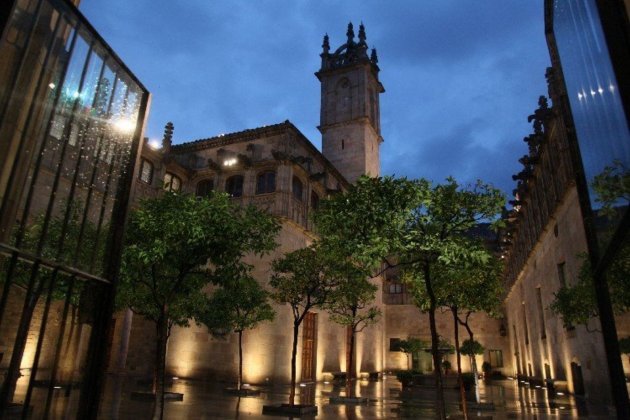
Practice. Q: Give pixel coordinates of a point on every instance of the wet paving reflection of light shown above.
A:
(386, 400)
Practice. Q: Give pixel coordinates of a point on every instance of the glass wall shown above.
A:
(71, 117)
(597, 109)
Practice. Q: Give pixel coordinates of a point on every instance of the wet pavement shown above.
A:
(386, 400)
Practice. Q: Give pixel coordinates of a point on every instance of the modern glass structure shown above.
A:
(589, 43)
(71, 120)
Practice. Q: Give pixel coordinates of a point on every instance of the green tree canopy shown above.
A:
(577, 304)
(240, 304)
(436, 243)
(304, 279)
(178, 244)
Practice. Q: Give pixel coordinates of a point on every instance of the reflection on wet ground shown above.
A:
(386, 400)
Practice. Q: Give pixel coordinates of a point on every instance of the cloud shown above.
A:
(461, 77)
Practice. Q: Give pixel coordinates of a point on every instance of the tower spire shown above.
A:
(167, 139)
(362, 36)
(326, 44)
(350, 34)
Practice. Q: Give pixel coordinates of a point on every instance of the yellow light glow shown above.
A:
(124, 125)
(229, 162)
(154, 144)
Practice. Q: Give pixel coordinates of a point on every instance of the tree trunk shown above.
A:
(460, 381)
(473, 361)
(158, 380)
(240, 359)
(296, 329)
(440, 405)
(350, 364)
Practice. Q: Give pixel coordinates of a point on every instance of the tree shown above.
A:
(240, 304)
(472, 287)
(410, 346)
(472, 348)
(367, 221)
(435, 240)
(304, 279)
(350, 306)
(178, 244)
(577, 303)
(360, 228)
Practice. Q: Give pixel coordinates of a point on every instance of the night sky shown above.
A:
(460, 76)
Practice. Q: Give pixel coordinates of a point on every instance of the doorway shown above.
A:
(309, 347)
(578, 379)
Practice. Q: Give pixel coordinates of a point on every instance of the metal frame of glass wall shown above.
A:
(71, 119)
(589, 44)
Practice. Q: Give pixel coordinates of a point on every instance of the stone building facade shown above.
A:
(544, 248)
(277, 168)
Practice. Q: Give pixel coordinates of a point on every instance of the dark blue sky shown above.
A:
(461, 76)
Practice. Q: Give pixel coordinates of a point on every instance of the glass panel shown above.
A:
(66, 142)
(600, 122)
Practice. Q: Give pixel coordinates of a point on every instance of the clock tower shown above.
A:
(350, 111)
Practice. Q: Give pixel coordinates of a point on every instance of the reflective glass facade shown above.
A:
(71, 117)
(597, 110)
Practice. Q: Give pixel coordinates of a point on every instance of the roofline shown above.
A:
(257, 133)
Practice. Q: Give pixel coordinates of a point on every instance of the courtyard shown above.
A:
(386, 400)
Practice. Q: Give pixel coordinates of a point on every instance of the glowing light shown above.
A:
(175, 378)
(245, 385)
(52, 85)
(75, 94)
(57, 387)
(154, 144)
(326, 382)
(559, 393)
(303, 385)
(230, 162)
(593, 92)
(611, 88)
(124, 125)
(580, 96)
(600, 90)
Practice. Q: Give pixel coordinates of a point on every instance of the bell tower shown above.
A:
(350, 112)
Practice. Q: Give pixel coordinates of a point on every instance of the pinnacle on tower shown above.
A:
(373, 56)
(362, 36)
(350, 34)
(167, 140)
(326, 44)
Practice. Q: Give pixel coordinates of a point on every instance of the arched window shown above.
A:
(266, 182)
(146, 171)
(205, 187)
(172, 182)
(314, 200)
(234, 185)
(297, 188)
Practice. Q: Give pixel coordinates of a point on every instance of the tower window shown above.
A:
(205, 187)
(172, 182)
(146, 171)
(297, 188)
(234, 185)
(343, 144)
(266, 182)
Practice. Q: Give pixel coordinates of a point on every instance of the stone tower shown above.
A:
(350, 112)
